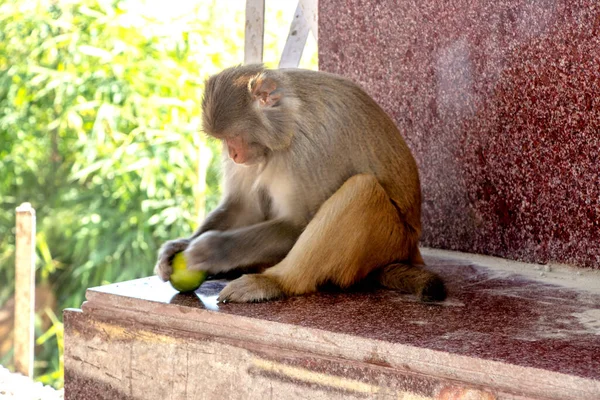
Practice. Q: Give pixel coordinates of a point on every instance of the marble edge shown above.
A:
(477, 371)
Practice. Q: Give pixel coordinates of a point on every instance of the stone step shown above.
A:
(508, 330)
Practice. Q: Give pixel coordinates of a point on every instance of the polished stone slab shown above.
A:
(498, 100)
(505, 328)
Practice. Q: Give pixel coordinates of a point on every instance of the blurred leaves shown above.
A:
(99, 130)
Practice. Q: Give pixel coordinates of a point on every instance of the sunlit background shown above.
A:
(99, 130)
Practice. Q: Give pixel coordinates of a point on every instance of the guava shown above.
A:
(182, 279)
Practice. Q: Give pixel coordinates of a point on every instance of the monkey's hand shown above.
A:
(163, 267)
(211, 252)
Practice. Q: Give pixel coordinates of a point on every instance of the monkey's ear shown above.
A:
(265, 91)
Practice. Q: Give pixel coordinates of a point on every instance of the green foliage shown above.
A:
(52, 343)
(99, 130)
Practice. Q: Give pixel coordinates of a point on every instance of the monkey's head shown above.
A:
(251, 109)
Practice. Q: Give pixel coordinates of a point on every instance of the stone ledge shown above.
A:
(500, 335)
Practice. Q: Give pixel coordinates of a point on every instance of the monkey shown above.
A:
(319, 189)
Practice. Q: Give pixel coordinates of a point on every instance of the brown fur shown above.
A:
(328, 191)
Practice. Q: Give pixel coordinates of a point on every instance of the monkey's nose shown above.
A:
(233, 154)
(237, 156)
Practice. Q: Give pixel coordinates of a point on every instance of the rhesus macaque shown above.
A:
(320, 188)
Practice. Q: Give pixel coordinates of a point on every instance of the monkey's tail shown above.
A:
(426, 285)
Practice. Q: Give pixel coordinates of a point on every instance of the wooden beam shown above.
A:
(296, 40)
(310, 9)
(255, 31)
(24, 289)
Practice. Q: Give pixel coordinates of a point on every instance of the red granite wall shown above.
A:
(500, 103)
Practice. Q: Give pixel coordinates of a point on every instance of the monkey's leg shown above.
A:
(354, 232)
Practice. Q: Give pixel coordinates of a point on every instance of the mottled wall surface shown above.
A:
(500, 103)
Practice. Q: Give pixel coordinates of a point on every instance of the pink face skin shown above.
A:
(243, 152)
(238, 149)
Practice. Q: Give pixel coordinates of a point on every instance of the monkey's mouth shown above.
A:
(250, 161)
(256, 154)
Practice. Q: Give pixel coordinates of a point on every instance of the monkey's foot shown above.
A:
(249, 289)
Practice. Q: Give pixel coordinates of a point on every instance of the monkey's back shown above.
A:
(348, 133)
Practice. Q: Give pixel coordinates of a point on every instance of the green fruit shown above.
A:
(183, 279)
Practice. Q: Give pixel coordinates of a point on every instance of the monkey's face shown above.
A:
(242, 150)
(246, 109)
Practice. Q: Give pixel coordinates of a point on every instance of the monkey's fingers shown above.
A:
(250, 289)
(198, 259)
(170, 248)
(163, 270)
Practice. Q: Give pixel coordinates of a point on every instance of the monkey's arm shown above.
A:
(231, 213)
(220, 219)
(263, 243)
